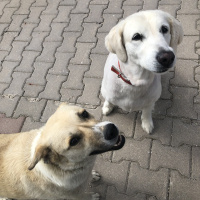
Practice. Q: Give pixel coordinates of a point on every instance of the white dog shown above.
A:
(141, 48)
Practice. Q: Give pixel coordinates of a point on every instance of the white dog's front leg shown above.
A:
(147, 122)
(107, 108)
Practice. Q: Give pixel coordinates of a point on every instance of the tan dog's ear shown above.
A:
(176, 33)
(115, 43)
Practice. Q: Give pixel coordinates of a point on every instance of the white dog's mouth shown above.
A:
(118, 145)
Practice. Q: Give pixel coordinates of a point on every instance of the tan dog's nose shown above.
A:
(110, 131)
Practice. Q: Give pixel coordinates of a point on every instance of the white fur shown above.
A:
(138, 62)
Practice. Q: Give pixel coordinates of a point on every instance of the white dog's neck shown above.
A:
(137, 75)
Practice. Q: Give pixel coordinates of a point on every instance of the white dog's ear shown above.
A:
(176, 33)
(115, 43)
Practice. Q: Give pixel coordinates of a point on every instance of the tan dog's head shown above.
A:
(148, 39)
(71, 135)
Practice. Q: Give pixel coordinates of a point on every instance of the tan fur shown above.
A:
(26, 157)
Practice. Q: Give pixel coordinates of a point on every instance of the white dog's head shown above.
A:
(148, 39)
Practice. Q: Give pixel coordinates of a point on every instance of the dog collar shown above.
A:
(120, 74)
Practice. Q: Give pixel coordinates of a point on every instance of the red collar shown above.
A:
(120, 74)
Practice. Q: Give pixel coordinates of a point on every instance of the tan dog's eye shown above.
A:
(137, 37)
(84, 115)
(164, 29)
(74, 141)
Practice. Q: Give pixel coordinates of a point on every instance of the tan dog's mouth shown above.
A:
(118, 145)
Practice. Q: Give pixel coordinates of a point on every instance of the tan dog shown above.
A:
(54, 162)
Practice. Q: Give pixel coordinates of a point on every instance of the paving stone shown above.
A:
(45, 23)
(6, 42)
(150, 4)
(30, 107)
(195, 163)
(162, 106)
(100, 46)
(18, 80)
(197, 98)
(40, 3)
(198, 48)
(78, 72)
(3, 86)
(52, 7)
(184, 73)
(16, 52)
(182, 188)
(8, 105)
(110, 20)
(95, 14)
(69, 41)
(37, 41)
(60, 66)
(171, 9)
(70, 95)
(188, 8)
(56, 32)
(24, 8)
(172, 2)
(7, 70)
(3, 54)
(162, 130)
(96, 113)
(76, 21)
(137, 151)
(82, 6)
(32, 91)
(7, 14)
(2, 5)
(52, 88)
(128, 125)
(13, 4)
(188, 23)
(91, 91)
(25, 34)
(188, 53)
(50, 108)
(38, 76)
(147, 181)
(130, 9)
(63, 14)
(166, 80)
(99, 2)
(28, 58)
(182, 105)
(116, 176)
(48, 52)
(3, 29)
(112, 193)
(10, 125)
(170, 157)
(133, 3)
(68, 2)
(82, 53)
(89, 32)
(29, 124)
(185, 133)
(34, 15)
(97, 66)
(114, 6)
(16, 23)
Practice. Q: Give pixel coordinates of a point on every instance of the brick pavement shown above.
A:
(53, 50)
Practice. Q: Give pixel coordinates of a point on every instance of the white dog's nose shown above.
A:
(110, 131)
(165, 58)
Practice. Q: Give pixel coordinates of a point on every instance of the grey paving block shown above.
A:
(99, 2)
(189, 8)
(114, 6)
(2, 6)
(130, 9)
(68, 2)
(53, 86)
(182, 188)
(182, 105)
(3, 86)
(7, 15)
(13, 4)
(170, 157)
(133, 3)
(195, 163)
(75, 78)
(52, 7)
(63, 14)
(184, 73)
(30, 107)
(32, 91)
(18, 80)
(100, 46)
(24, 8)
(30, 124)
(162, 106)
(82, 7)
(70, 95)
(146, 181)
(172, 2)
(166, 80)
(162, 130)
(3, 54)
(6, 42)
(137, 151)
(91, 91)
(150, 4)
(40, 3)
(34, 15)
(185, 133)
(125, 122)
(171, 9)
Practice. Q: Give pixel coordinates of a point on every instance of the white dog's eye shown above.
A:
(164, 29)
(137, 37)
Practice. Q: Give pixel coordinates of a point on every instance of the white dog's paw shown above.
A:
(107, 108)
(95, 196)
(147, 126)
(95, 176)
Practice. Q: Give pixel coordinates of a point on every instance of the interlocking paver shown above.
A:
(188, 8)
(7, 14)
(24, 8)
(2, 5)
(166, 80)
(82, 7)
(30, 124)
(39, 3)
(34, 15)
(171, 9)
(63, 14)
(7, 40)
(150, 4)
(114, 7)
(195, 163)
(70, 95)
(52, 7)
(3, 86)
